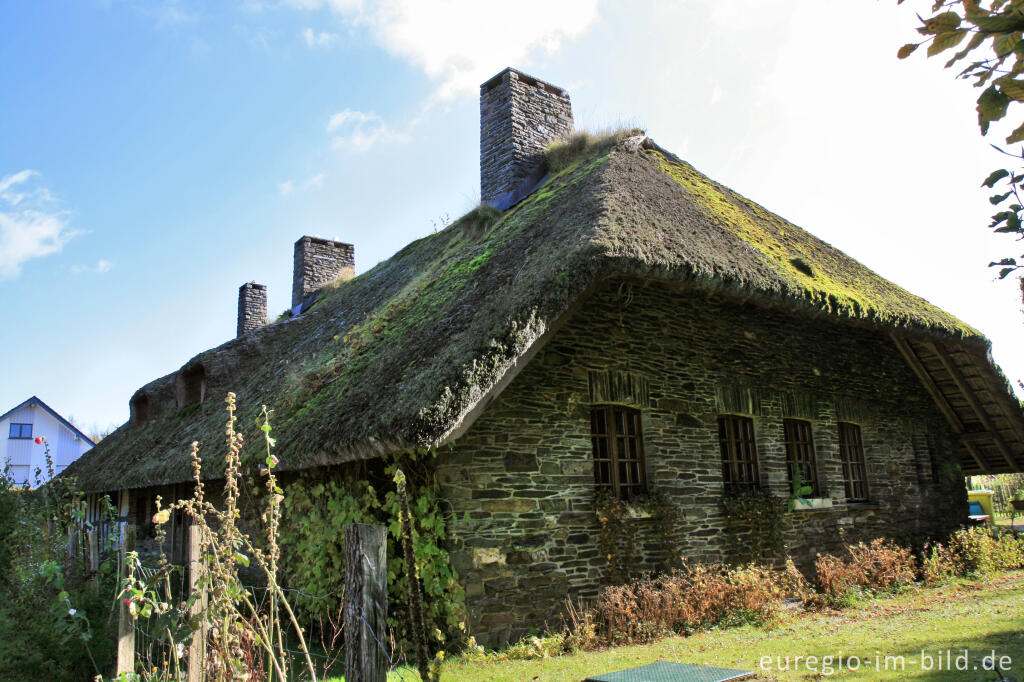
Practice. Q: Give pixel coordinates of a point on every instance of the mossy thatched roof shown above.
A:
(397, 357)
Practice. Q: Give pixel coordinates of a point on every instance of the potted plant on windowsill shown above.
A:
(799, 500)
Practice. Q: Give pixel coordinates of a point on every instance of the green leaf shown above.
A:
(944, 41)
(973, 43)
(907, 50)
(1017, 135)
(940, 23)
(242, 559)
(999, 198)
(994, 177)
(1006, 44)
(1013, 89)
(1007, 22)
(991, 107)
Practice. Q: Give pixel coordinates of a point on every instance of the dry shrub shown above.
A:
(879, 566)
(696, 597)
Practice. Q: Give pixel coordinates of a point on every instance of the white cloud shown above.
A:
(462, 43)
(321, 39)
(289, 187)
(30, 225)
(102, 265)
(358, 131)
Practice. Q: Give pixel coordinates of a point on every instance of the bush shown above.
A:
(880, 566)
(972, 552)
(54, 624)
(697, 597)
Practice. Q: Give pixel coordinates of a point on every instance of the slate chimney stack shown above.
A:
(519, 116)
(319, 262)
(252, 307)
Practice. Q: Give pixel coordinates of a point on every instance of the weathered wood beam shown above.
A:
(961, 382)
(969, 446)
(125, 622)
(929, 384)
(975, 436)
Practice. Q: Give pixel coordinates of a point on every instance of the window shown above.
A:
(800, 453)
(739, 453)
(21, 430)
(139, 408)
(191, 386)
(618, 450)
(851, 452)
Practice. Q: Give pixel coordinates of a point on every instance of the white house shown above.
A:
(32, 420)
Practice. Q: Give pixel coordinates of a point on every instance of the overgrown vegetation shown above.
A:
(561, 154)
(872, 568)
(622, 522)
(54, 615)
(755, 518)
(316, 509)
(686, 600)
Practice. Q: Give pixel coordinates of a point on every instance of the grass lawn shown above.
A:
(979, 617)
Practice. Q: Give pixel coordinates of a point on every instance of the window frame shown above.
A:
(21, 431)
(854, 462)
(798, 437)
(615, 442)
(736, 431)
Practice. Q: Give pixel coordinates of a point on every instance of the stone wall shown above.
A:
(524, 534)
(318, 262)
(519, 116)
(252, 307)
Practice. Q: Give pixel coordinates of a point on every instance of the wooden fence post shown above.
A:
(94, 556)
(125, 626)
(366, 603)
(197, 649)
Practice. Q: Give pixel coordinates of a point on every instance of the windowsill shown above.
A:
(810, 504)
(19, 438)
(863, 504)
(636, 512)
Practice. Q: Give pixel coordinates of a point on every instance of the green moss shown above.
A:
(187, 411)
(827, 277)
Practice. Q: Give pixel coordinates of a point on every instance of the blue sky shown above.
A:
(155, 155)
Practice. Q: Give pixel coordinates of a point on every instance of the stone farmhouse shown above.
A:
(615, 322)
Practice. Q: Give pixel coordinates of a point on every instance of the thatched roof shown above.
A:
(398, 357)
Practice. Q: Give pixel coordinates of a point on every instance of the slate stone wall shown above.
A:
(318, 262)
(252, 307)
(524, 534)
(519, 116)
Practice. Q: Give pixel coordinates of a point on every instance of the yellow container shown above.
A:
(984, 498)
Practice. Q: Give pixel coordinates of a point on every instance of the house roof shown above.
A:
(53, 413)
(405, 355)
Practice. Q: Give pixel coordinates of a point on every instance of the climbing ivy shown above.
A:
(621, 524)
(755, 518)
(319, 504)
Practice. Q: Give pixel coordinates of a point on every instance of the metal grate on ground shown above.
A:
(664, 671)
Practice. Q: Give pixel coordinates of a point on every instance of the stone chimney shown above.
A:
(252, 307)
(519, 116)
(319, 262)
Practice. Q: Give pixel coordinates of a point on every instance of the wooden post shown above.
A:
(366, 603)
(197, 649)
(125, 626)
(94, 556)
(72, 544)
